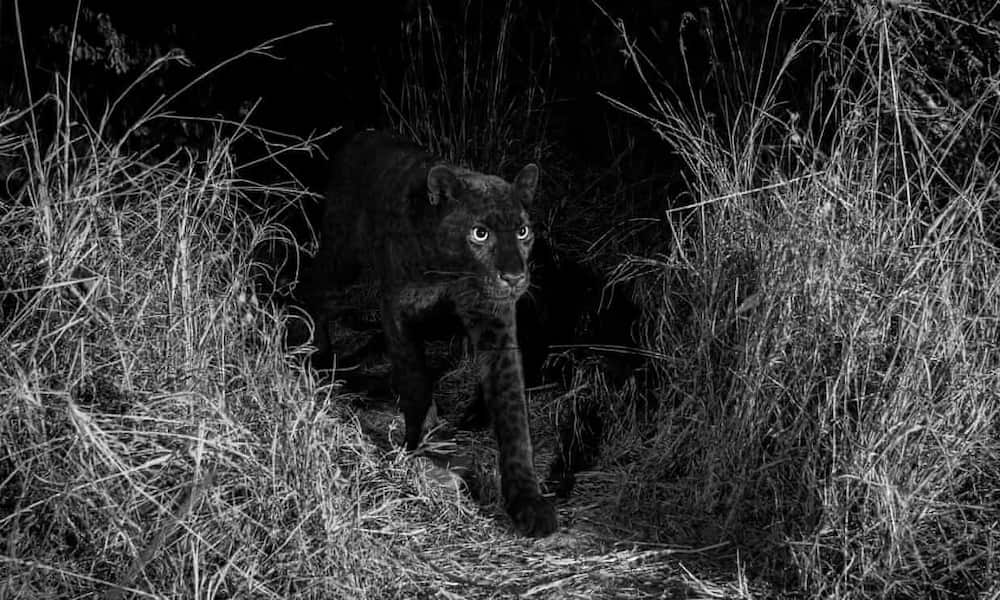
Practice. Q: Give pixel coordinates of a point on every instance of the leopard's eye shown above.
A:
(524, 232)
(479, 235)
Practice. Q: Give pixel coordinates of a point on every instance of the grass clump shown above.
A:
(457, 95)
(156, 438)
(827, 325)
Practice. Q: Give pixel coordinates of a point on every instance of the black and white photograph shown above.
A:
(488, 299)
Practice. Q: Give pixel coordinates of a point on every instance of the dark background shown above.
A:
(600, 165)
(334, 76)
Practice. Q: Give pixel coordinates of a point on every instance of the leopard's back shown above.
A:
(370, 210)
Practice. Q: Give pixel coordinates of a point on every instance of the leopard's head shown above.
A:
(485, 233)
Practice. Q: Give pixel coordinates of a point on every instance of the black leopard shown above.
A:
(439, 237)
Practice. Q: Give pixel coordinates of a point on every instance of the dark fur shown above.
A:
(412, 217)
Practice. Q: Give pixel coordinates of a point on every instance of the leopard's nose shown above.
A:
(513, 280)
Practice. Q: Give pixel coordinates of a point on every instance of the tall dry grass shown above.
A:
(467, 92)
(827, 322)
(157, 439)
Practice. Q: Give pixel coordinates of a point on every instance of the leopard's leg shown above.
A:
(410, 379)
(502, 382)
(335, 267)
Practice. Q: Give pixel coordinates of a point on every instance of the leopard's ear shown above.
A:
(442, 184)
(526, 182)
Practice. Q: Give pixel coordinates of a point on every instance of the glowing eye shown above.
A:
(479, 234)
(524, 232)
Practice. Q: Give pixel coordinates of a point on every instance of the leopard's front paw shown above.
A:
(533, 516)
